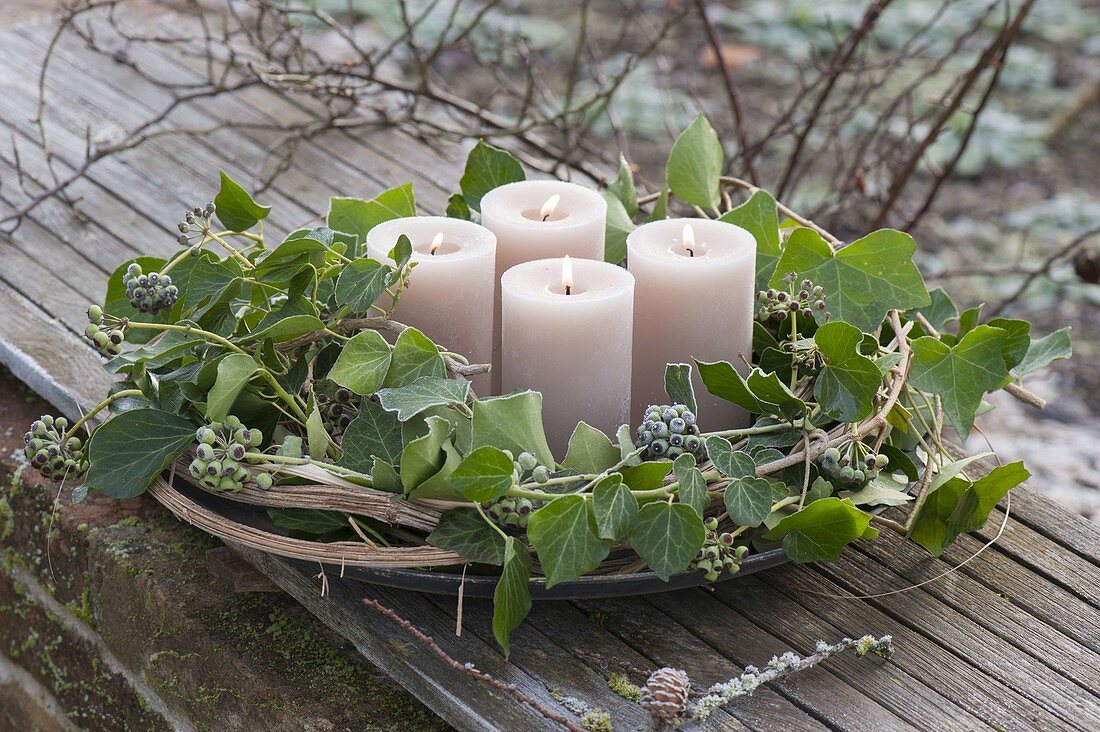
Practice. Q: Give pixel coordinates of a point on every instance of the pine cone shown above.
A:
(666, 694)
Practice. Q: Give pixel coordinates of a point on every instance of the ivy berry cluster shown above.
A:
(515, 511)
(149, 293)
(777, 305)
(668, 431)
(338, 409)
(853, 467)
(718, 553)
(104, 332)
(51, 453)
(221, 453)
(196, 223)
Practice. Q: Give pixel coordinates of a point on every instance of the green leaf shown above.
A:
(301, 250)
(415, 356)
(863, 280)
(384, 477)
(761, 393)
(512, 423)
(426, 392)
(730, 463)
(960, 374)
(363, 363)
(465, 533)
(457, 208)
(693, 486)
(235, 207)
(361, 283)
(131, 449)
(296, 317)
(883, 491)
(648, 475)
(627, 448)
(940, 310)
(375, 433)
(358, 216)
(1042, 352)
(234, 373)
(211, 282)
(623, 188)
(847, 386)
(423, 457)
(617, 227)
(590, 450)
(667, 536)
(488, 167)
(1017, 339)
(749, 500)
(759, 217)
(566, 538)
(615, 507)
(821, 530)
(308, 520)
(695, 164)
(660, 207)
(512, 596)
(957, 506)
(316, 435)
(484, 475)
(439, 485)
(678, 385)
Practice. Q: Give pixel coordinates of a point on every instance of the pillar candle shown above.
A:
(540, 219)
(693, 300)
(450, 292)
(568, 335)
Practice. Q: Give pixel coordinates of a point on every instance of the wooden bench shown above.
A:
(1011, 640)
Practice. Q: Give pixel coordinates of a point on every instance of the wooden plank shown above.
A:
(1054, 521)
(717, 645)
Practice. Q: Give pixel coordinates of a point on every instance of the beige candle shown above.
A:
(540, 219)
(566, 332)
(693, 299)
(450, 292)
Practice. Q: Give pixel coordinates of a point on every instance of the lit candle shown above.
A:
(693, 299)
(566, 332)
(450, 292)
(539, 219)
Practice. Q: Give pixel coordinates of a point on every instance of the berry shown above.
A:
(338, 408)
(718, 553)
(527, 462)
(851, 466)
(55, 456)
(222, 448)
(508, 511)
(668, 431)
(149, 293)
(541, 474)
(95, 315)
(264, 481)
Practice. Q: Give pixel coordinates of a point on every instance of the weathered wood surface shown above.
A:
(1009, 641)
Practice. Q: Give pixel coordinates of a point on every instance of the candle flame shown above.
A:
(567, 275)
(689, 240)
(549, 207)
(437, 242)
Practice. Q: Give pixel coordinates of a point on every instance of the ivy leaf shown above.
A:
(465, 533)
(847, 386)
(623, 188)
(730, 463)
(384, 477)
(235, 207)
(1044, 351)
(488, 167)
(358, 216)
(590, 450)
(863, 280)
(301, 250)
(660, 207)
(960, 374)
(883, 491)
(667, 536)
(759, 217)
(615, 507)
(647, 475)
(957, 506)
(457, 208)
(426, 392)
(761, 393)
(415, 356)
(693, 486)
(211, 281)
(363, 363)
(940, 310)
(308, 520)
(695, 164)
(678, 385)
(361, 282)
(234, 373)
(375, 433)
(297, 316)
(316, 435)
(566, 538)
(129, 450)
(484, 475)
(617, 227)
(749, 500)
(1017, 339)
(627, 448)
(423, 457)
(512, 423)
(821, 530)
(512, 596)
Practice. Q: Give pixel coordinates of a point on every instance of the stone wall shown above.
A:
(111, 618)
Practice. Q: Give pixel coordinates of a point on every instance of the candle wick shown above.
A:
(546, 217)
(690, 251)
(568, 289)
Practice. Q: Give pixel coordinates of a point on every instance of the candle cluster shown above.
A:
(528, 291)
